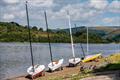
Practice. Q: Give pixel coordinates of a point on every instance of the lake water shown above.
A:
(15, 57)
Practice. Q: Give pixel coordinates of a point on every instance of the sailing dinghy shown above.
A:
(90, 57)
(34, 71)
(39, 70)
(53, 65)
(74, 61)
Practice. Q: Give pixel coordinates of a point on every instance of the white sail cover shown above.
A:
(37, 68)
(55, 65)
(74, 61)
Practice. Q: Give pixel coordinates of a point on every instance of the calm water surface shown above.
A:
(15, 57)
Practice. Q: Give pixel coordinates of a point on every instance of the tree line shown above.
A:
(14, 32)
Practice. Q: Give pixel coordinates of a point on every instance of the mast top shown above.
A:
(26, 2)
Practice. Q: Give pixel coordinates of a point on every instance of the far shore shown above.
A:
(73, 73)
(62, 42)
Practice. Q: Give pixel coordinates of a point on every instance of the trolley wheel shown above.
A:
(61, 68)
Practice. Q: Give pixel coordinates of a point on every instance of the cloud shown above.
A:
(114, 7)
(111, 20)
(21, 14)
(99, 4)
(18, 11)
(8, 17)
(32, 3)
(77, 11)
(39, 3)
(11, 1)
(86, 12)
(108, 20)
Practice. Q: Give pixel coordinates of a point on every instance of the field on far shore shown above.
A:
(107, 69)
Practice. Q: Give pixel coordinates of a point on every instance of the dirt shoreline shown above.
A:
(66, 71)
(108, 75)
(70, 71)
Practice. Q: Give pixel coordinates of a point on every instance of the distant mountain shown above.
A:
(100, 29)
(106, 32)
(110, 32)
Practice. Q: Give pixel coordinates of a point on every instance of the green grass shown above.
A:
(80, 76)
(114, 66)
(109, 67)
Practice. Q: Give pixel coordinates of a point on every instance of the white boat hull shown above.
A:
(38, 70)
(74, 61)
(55, 65)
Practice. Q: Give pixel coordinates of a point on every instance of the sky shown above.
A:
(82, 12)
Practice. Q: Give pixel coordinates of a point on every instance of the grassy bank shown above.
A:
(113, 63)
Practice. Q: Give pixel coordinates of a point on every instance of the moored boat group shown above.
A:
(39, 70)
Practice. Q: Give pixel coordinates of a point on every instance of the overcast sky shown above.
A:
(83, 12)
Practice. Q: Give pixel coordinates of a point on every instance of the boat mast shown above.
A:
(48, 37)
(87, 41)
(29, 35)
(80, 44)
(73, 52)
